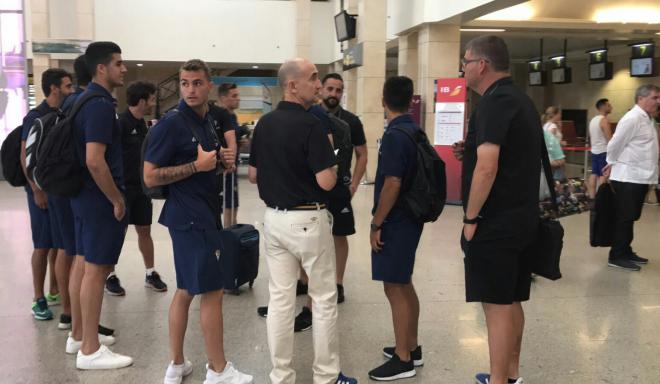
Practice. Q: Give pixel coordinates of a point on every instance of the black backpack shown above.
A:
(424, 191)
(58, 170)
(341, 136)
(11, 158)
(160, 192)
(35, 139)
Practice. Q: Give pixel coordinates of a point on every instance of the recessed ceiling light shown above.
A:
(636, 15)
(140, 64)
(255, 67)
(483, 30)
(657, 33)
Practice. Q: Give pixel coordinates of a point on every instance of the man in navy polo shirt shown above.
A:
(99, 209)
(56, 84)
(395, 234)
(182, 154)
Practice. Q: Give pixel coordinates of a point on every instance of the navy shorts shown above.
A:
(139, 207)
(230, 191)
(99, 236)
(395, 262)
(40, 224)
(498, 267)
(598, 162)
(61, 224)
(339, 205)
(197, 260)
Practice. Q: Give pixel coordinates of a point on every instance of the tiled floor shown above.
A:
(596, 325)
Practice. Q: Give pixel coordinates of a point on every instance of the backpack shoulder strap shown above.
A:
(81, 100)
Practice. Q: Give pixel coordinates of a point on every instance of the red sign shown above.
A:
(451, 90)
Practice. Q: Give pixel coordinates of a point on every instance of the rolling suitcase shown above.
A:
(240, 264)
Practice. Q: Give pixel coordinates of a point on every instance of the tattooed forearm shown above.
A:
(168, 175)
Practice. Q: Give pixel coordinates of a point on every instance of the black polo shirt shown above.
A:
(357, 130)
(507, 117)
(222, 121)
(289, 146)
(133, 132)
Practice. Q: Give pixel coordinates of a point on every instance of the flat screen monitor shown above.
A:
(561, 75)
(536, 78)
(597, 71)
(641, 67)
(345, 26)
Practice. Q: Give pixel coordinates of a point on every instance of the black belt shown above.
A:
(302, 207)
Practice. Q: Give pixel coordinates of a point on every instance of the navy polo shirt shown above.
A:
(322, 115)
(41, 110)
(191, 202)
(98, 122)
(397, 154)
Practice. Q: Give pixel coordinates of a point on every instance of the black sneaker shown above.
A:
(154, 282)
(393, 369)
(340, 294)
(301, 288)
(303, 320)
(623, 264)
(415, 355)
(105, 331)
(637, 259)
(113, 286)
(262, 311)
(65, 322)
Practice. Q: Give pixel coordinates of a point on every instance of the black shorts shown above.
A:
(339, 205)
(139, 207)
(498, 267)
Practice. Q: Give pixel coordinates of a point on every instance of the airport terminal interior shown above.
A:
(596, 324)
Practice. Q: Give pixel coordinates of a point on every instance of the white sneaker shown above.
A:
(176, 373)
(230, 375)
(104, 358)
(73, 346)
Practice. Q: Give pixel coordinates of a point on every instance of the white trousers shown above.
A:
(294, 238)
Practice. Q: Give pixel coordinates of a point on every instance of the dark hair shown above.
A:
(224, 88)
(195, 65)
(335, 76)
(80, 70)
(52, 76)
(139, 90)
(491, 48)
(100, 52)
(601, 103)
(398, 93)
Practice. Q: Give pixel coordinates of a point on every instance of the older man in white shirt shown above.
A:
(632, 158)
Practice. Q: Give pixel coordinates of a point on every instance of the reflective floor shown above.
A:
(595, 325)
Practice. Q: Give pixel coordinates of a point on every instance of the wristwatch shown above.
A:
(375, 227)
(471, 221)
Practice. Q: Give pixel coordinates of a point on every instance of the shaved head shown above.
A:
(299, 80)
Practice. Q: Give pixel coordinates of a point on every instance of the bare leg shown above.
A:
(39, 267)
(75, 283)
(52, 257)
(519, 326)
(402, 304)
(91, 299)
(178, 323)
(146, 244)
(501, 339)
(62, 270)
(341, 252)
(212, 327)
(591, 186)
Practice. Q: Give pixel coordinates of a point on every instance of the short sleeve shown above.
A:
(357, 133)
(320, 155)
(395, 158)
(253, 146)
(494, 119)
(99, 121)
(160, 144)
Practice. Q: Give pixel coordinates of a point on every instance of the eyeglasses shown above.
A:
(465, 62)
